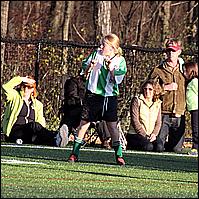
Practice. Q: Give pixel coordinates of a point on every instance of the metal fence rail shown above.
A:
(51, 62)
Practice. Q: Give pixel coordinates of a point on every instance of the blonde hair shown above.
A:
(114, 41)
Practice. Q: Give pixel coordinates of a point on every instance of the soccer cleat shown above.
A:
(62, 136)
(120, 161)
(73, 158)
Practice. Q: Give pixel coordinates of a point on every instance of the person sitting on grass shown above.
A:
(23, 120)
(145, 119)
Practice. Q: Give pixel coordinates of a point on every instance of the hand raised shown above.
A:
(28, 80)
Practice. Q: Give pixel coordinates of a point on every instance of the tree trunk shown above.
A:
(26, 4)
(67, 18)
(190, 23)
(140, 24)
(104, 17)
(95, 18)
(4, 26)
(165, 18)
(57, 20)
(4, 17)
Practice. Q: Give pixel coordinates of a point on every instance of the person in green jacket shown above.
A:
(104, 70)
(23, 120)
(191, 75)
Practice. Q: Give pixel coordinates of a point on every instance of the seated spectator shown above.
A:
(145, 119)
(71, 109)
(23, 120)
(191, 75)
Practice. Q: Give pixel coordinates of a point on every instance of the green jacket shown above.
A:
(192, 95)
(14, 105)
(173, 102)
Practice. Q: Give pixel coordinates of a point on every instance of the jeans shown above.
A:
(172, 128)
(194, 127)
(141, 143)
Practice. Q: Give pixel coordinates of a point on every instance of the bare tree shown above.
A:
(87, 21)
(27, 9)
(4, 17)
(57, 19)
(104, 17)
(140, 24)
(125, 17)
(67, 18)
(164, 13)
(60, 18)
(191, 20)
(4, 26)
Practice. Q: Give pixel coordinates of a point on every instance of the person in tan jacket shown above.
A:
(170, 75)
(145, 119)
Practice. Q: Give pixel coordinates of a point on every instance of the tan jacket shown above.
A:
(145, 119)
(173, 101)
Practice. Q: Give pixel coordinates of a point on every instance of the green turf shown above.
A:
(96, 175)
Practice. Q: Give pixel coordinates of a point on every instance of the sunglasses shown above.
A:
(150, 89)
(170, 50)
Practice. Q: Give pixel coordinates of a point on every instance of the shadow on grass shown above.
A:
(137, 160)
(105, 174)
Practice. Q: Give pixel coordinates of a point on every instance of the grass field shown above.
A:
(43, 172)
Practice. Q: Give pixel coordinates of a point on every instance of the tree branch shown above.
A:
(79, 34)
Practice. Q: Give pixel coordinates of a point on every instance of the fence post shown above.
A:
(37, 62)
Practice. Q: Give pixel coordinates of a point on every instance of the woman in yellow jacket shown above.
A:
(145, 119)
(23, 120)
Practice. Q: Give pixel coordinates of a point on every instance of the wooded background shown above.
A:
(144, 23)
(56, 35)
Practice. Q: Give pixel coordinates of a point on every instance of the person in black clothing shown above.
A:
(74, 91)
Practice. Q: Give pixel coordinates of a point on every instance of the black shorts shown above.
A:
(97, 107)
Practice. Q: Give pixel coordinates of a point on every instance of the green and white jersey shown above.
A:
(99, 81)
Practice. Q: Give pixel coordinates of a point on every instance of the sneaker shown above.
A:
(106, 144)
(120, 161)
(193, 152)
(62, 136)
(73, 158)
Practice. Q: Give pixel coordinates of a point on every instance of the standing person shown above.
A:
(23, 120)
(104, 70)
(170, 75)
(191, 75)
(145, 119)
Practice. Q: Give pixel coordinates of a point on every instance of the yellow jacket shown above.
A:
(14, 105)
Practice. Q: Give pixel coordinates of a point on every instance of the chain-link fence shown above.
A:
(51, 62)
